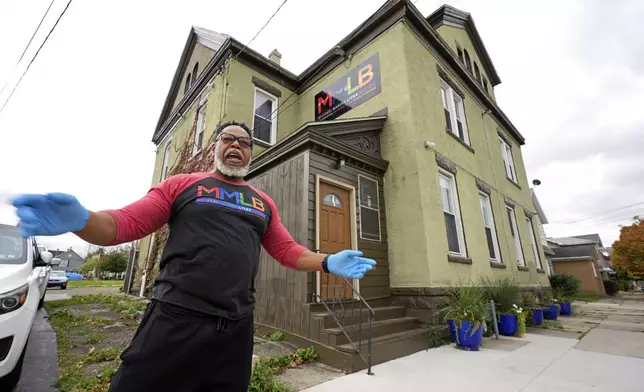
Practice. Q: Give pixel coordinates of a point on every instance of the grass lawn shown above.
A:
(94, 283)
(588, 297)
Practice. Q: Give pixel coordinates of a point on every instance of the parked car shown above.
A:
(58, 279)
(74, 276)
(24, 273)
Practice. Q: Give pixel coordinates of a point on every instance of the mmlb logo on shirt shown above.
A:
(234, 200)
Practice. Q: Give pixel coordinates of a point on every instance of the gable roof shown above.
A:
(386, 16)
(450, 16)
(591, 237)
(570, 241)
(208, 38)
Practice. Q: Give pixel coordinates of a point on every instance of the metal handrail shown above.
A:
(340, 321)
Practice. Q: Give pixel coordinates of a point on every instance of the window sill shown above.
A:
(459, 140)
(540, 271)
(522, 268)
(513, 182)
(459, 259)
(495, 264)
(262, 143)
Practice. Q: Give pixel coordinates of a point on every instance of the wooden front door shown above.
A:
(335, 235)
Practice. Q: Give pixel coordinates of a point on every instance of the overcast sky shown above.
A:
(82, 119)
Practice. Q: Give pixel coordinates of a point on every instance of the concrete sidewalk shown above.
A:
(545, 363)
(609, 357)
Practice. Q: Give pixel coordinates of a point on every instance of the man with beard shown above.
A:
(197, 332)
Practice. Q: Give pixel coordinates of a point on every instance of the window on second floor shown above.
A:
(454, 112)
(265, 117)
(452, 214)
(508, 161)
(514, 232)
(166, 160)
(201, 128)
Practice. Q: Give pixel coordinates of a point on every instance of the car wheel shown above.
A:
(8, 382)
(63, 287)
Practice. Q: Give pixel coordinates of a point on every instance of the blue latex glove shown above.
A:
(50, 214)
(350, 264)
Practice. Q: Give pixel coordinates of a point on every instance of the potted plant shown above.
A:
(550, 307)
(566, 288)
(521, 321)
(505, 293)
(465, 310)
(534, 312)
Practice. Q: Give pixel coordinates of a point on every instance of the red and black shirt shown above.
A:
(216, 227)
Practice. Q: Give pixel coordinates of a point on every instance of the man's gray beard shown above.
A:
(229, 171)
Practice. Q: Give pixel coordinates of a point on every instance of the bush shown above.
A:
(611, 287)
(503, 291)
(625, 285)
(567, 285)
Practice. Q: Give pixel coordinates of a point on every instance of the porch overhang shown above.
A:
(322, 136)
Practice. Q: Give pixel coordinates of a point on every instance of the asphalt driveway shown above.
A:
(41, 361)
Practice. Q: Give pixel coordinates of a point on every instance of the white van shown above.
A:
(24, 272)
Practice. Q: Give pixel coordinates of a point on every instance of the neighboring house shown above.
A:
(541, 220)
(579, 257)
(393, 143)
(67, 260)
(603, 254)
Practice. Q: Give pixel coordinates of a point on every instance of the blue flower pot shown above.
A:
(537, 317)
(508, 324)
(469, 338)
(551, 312)
(452, 329)
(566, 308)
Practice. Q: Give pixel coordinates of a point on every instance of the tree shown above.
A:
(88, 265)
(114, 262)
(628, 251)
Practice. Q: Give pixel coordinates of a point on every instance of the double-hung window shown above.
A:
(454, 113)
(533, 242)
(166, 160)
(369, 209)
(508, 162)
(265, 117)
(201, 125)
(514, 231)
(452, 214)
(490, 231)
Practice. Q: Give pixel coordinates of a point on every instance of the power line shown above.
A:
(36, 55)
(27, 47)
(263, 27)
(565, 222)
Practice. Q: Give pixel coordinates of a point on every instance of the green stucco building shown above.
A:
(392, 142)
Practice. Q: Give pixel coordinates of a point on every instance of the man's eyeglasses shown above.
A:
(243, 141)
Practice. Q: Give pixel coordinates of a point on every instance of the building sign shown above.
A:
(357, 86)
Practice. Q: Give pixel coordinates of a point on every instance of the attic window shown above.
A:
(459, 51)
(195, 71)
(468, 64)
(187, 85)
(485, 84)
(476, 72)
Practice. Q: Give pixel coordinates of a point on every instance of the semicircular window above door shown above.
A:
(332, 200)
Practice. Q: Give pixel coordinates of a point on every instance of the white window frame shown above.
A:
(360, 206)
(166, 159)
(201, 125)
(508, 160)
(448, 96)
(495, 241)
(273, 118)
(533, 242)
(594, 269)
(451, 179)
(518, 249)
